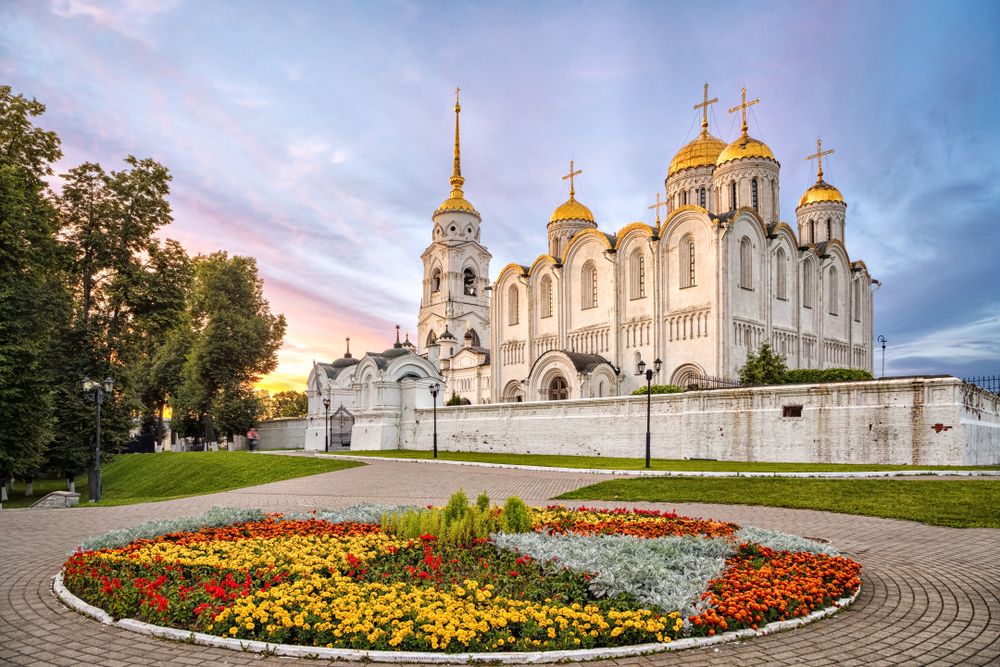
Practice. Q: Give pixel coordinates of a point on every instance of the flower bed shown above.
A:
(583, 578)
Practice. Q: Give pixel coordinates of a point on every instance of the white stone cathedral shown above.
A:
(718, 276)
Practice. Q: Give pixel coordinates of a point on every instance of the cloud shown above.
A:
(969, 347)
(129, 18)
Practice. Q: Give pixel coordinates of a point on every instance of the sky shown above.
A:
(317, 136)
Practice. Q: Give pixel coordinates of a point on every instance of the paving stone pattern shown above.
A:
(930, 594)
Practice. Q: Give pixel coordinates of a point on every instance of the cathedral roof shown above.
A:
(745, 147)
(584, 363)
(703, 151)
(572, 210)
(821, 191)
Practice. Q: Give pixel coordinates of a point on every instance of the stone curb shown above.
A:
(677, 473)
(533, 657)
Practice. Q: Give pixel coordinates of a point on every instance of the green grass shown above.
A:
(140, 478)
(958, 503)
(612, 463)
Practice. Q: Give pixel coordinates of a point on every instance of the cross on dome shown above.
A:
(570, 176)
(743, 107)
(704, 110)
(656, 207)
(819, 158)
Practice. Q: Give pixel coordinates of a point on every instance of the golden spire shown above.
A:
(819, 158)
(657, 206)
(456, 174)
(570, 175)
(704, 113)
(743, 107)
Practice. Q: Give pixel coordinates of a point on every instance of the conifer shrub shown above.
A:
(516, 517)
(459, 523)
(454, 400)
(483, 502)
(659, 389)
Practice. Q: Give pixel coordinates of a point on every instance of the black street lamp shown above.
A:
(882, 340)
(435, 388)
(649, 382)
(97, 392)
(326, 422)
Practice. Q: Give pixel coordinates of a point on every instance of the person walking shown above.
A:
(252, 439)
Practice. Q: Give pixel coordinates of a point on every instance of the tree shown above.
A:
(285, 404)
(33, 302)
(763, 367)
(235, 342)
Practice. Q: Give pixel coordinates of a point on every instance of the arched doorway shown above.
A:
(558, 389)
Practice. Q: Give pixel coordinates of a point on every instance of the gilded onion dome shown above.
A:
(572, 210)
(702, 152)
(456, 201)
(821, 191)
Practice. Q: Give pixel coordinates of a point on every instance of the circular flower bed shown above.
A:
(366, 578)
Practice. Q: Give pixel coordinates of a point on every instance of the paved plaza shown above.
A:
(930, 595)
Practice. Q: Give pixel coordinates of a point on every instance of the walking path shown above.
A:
(930, 595)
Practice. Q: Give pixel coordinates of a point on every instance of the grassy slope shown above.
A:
(607, 462)
(958, 503)
(139, 478)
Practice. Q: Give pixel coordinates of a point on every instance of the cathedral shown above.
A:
(717, 275)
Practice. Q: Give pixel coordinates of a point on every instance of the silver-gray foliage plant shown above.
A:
(668, 572)
(782, 541)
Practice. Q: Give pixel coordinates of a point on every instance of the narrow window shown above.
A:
(702, 198)
(686, 261)
(436, 281)
(832, 297)
(812, 231)
(684, 197)
(546, 296)
(469, 282)
(637, 274)
(857, 300)
(753, 195)
(779, 276)
(746, 268)
(588, 286)
(829, 229)
(512, 306)
(732, 195)
(807, 285)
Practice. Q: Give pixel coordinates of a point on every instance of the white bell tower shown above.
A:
(456, 268)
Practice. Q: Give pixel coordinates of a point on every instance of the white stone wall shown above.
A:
(287, 433)
(920, 421)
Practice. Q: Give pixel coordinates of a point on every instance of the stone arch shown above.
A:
(513, 392)
(687, 374)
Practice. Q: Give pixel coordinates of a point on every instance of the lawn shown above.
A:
(958, 503)
(613, 463)
(140, 478)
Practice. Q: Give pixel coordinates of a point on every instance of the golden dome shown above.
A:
(702, 152)
(457, 204)
(821, 191)
(745, 147)
(572, 210)
(456, 201)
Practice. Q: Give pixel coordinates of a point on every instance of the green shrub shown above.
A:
(457, 506)
(659, 389)
(812, 375)
(483, 502)
(763, 367)
(454, 400)
(457, 523)
(516, 517)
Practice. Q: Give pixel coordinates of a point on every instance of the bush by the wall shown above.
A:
(659, 389)
(454, 400)
(814, 375)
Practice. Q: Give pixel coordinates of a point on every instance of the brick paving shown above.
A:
(930, 595)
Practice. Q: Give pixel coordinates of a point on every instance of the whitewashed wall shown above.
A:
(921, 421)
(286, 433)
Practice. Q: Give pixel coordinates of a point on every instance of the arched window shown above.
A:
(754, 198)
(774, 199)
(829, 229)
(684, 197)
(431, 338)
(857, 300)
(469, 282)
(832, 296)
(808, 284)
(545, 296)
(703, 198)
(686, 263)
(732, 196)
(436, 280)
(588, 286)
(812, 231)
(512, 305)
(779, 276)
(746, 265)
(475, 337)
(558, 389)
(637, 271)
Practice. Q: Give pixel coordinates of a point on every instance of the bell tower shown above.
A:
(456, 266)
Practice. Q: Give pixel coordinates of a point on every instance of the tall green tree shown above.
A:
(763, 367)
(33, 302)
(285, 404)
(235, 342)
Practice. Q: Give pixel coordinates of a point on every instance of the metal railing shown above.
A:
(712, 382)
(990, 383)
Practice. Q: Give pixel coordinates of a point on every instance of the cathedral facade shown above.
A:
(699, 290)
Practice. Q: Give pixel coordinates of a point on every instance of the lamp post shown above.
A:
(326, 423)
(649, 382)
(435, 388)
(341, 411)
(97, 392)
(882, 340)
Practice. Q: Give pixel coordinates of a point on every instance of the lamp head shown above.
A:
(641, 367)
(434, 389)
(88, 384)
(326, 402)
(657, 365)
(109, 384)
